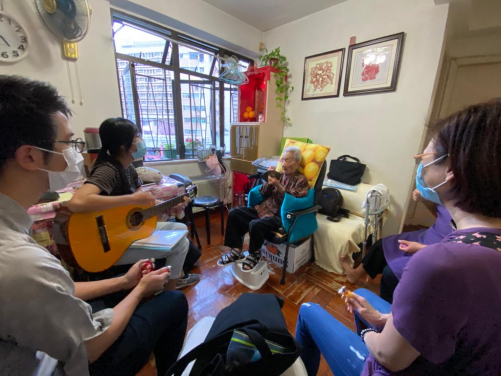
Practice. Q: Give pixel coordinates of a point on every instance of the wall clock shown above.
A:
(14, 39)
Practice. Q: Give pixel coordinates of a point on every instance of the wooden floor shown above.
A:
(217, 288)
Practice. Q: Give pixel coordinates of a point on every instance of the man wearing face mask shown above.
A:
(46, 327)
(114, 182)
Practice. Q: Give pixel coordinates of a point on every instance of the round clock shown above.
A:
(14, 40)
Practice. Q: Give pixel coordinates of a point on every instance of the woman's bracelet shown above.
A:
(365, 331)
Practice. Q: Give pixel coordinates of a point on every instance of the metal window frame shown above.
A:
(207, 78)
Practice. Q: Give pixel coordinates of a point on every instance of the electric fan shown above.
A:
(69, 20)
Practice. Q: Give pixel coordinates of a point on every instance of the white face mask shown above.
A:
(73, 171)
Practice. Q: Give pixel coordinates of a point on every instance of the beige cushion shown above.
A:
(335, 239)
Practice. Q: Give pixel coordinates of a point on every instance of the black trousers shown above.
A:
(375, 263)
(243, 220)
(157, 325)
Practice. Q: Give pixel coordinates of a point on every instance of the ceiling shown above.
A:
(265, 15)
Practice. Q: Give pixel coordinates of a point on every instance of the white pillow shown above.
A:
(149, 175)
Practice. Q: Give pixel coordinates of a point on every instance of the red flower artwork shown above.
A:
(321, 75)
(370, 71)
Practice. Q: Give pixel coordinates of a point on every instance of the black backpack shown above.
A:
(331, 201)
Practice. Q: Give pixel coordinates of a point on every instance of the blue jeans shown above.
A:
(318, 332)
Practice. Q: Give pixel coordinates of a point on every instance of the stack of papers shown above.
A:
(161, 240)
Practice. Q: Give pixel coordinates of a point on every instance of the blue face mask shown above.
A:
(141, 150)
(428, 193)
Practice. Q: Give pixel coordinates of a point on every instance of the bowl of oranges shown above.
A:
(314, 156)
(249, 114)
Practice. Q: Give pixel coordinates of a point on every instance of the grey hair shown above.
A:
(294, 150)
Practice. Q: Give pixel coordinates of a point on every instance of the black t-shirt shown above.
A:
(107, 178)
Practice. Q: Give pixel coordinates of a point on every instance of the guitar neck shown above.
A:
(163, 207)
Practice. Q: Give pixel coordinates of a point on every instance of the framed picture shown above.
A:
(322, 75)
(373, 65)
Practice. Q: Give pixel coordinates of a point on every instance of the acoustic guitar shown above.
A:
(95, 241)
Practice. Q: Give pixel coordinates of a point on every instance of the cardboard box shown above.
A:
(298, 254)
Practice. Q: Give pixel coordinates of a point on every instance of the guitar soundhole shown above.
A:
(135, 219)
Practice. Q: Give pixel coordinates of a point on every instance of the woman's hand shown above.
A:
(141, 198)
(410, 247)
(368, 312)
(134, 275)
(416, 196)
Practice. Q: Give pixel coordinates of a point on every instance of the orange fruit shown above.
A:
(311, 146)
(321, 154)
(246, 115)
(300, 170)
(248, 109)
(308, 156)
(251, 114)
(311, 171)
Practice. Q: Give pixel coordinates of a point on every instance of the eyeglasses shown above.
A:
(420, 156)
(286, 160)
(78, 144)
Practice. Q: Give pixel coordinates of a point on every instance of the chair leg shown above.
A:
(193, 228)
(286, 257)
(207, 224)
(222, 219)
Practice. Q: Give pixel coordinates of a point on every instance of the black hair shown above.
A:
(27, 111)
(472, 139)
(115, 133)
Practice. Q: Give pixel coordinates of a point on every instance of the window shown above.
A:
(151, 83)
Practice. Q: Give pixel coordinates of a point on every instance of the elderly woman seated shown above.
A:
(260, 220)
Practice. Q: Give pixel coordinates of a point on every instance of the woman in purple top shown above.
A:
(389, 256)
(444, 319)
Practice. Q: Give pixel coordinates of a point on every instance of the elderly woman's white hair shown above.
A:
(294, 150)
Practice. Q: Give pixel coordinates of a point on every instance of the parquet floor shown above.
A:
(217, 288)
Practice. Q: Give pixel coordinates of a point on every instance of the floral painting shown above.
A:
(322, 75)
(373, 65)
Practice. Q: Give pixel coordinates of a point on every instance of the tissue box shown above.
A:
(298, 254)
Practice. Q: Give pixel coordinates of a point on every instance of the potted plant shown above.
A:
(192, 143)
(278, 61)
(168, 149)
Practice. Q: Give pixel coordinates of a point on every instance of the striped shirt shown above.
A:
(107, 178)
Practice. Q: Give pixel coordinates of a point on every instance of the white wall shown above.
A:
(383, 130)
(96, 65)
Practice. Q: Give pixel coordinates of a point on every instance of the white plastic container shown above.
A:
(253, 280)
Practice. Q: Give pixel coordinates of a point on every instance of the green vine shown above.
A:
(277, 60)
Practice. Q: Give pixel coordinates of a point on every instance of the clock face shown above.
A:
(14, 41)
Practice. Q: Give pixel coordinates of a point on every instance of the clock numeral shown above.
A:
(24, 40)
(18, 29)
(10, 21)
(15, 53)
(5, 55)
(21, 47)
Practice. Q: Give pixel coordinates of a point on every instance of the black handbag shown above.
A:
(345, 171)
(260, 317)
(331, 201)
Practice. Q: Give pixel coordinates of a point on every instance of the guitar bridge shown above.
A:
(103, 234)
